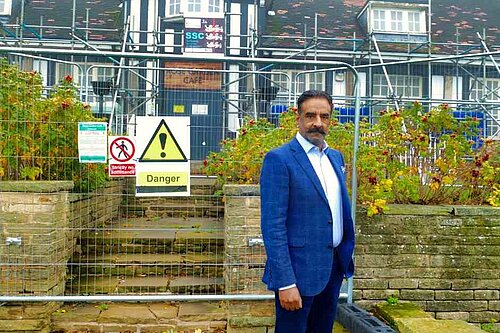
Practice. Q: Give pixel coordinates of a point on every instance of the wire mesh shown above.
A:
(114, 243)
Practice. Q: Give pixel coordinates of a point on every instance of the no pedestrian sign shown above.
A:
(121, 153)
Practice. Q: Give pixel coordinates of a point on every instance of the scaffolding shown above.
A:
(396, 72)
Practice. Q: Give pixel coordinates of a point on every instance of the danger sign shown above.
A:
(163, 149)
(121, 154)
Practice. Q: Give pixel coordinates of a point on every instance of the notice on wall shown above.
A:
(199, 109)
(92, 142)
(204, 35)
(193, 75)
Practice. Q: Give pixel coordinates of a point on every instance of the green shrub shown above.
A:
(39, 134)
(407, 156)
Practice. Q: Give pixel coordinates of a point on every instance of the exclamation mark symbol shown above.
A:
(163, 141)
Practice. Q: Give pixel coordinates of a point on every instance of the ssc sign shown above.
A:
(195, 35)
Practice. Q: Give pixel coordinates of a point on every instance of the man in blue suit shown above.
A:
(306, 222)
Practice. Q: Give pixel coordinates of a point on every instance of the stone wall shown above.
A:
(40, 223)
(444, 258)
(96, 209)
(35, 244)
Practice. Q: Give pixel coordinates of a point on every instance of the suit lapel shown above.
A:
(300, 155)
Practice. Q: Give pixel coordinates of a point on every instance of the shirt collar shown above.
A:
(308, 146)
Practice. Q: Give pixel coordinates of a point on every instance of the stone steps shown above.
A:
(147, 264)
(166, 284)
(157, 235)
(202, 202)
(149, 255)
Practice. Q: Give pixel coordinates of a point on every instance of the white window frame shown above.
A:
(308, 81)
(379, 19)
(397, 20)
(478, 89)
(195, 8)
(174, 7)
(403, 85)
(416, 24)
(214, 6)
(5, 7)
(481, 87)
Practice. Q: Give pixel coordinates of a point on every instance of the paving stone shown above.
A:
(429, 325)
(77, 313)
(202, 311)
(127, 314)
(164, 311)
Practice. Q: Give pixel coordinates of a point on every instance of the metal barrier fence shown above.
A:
(115, 244)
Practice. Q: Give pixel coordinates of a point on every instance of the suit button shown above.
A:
(330, 247)
(330, 222)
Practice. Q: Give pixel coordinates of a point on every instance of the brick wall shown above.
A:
(444, 258)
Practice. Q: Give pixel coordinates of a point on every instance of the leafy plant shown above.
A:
(408, 156)
(393, 300)
(39, 134)
(490, 327)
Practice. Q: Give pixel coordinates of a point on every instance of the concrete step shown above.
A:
(156, 235)
(139, 264)
(93, 285)
(181, 208)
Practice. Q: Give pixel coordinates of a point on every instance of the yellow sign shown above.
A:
(178, 108)
(162, 147)
(161, 181)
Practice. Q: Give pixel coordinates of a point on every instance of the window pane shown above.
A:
(379, 19)
(214, 6)
(414, 22)
(174, 7)
(396, 20)
(194, 6)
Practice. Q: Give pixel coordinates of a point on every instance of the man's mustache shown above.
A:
(316, 130)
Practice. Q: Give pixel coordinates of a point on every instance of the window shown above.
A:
(395, 20)
(5, 7)
(379, 19)
(174, 7)
(488, 89)
(403, 85)
(194, 6)
(302, 82)
(413, 21)
(214, 6)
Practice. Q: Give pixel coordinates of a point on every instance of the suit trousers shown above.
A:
(317, 314)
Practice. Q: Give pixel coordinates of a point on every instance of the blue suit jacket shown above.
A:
(296, 221)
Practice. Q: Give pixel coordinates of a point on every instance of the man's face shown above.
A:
(314, 120)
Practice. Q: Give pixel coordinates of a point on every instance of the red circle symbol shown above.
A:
(122, 149)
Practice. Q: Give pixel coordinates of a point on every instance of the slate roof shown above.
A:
(338, 19)
(103, 14)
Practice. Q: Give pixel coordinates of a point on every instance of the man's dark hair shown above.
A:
(308, 94)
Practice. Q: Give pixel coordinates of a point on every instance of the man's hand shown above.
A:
(290, 299)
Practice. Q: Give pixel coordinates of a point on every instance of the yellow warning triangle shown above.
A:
(163, 147)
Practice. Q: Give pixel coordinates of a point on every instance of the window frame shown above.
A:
(6, 8)
(174, 7)
(399, 82)
(483, 86)
(397, 20)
